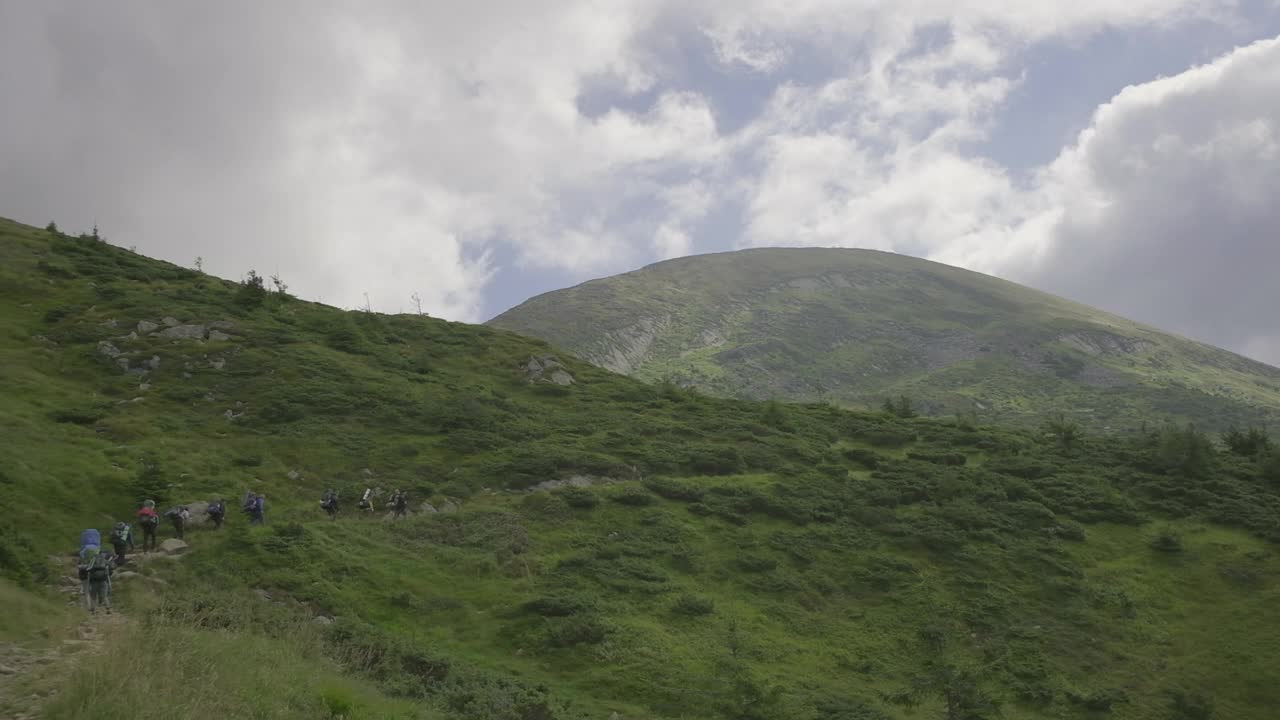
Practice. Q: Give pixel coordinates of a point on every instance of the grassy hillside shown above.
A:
(856, 326)
(730, 559)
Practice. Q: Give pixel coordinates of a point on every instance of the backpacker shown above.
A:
(148, 519)
(216, 508)
(120, 536)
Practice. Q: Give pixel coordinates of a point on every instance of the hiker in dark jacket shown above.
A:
(258, 510)
(122, 541)
(330, 503)
(178, 516)
(399, 504)
(97, 570)
(217, 512)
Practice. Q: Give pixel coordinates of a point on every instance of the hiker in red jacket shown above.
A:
(148, 520)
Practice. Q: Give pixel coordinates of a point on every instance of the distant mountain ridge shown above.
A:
(855, 326)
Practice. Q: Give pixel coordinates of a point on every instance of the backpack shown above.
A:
(120, 536)
(216, 509)
(99, 567)
(150, 520)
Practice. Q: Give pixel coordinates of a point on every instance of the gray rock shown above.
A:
(222, 325)
(198, 513)
(294, 474)
(110, 323)
(154, 362)
(130, 337)
(560, 377)
(125, 575)
(428, 508)
(218, 364)
(184, 332)
(449, 507)
(123, 363)
(106, 348)
(144, 386)
(323, 620)
(146, 326)
(218, 336)
(231, 414)
(170, 322)
(173, 546)
(547, 369)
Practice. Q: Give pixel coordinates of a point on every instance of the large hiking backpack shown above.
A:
(90, 538)
(120, 536)
(99, 567)
(216, 509)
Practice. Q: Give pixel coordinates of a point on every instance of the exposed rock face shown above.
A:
(625, 350)
(547, 369)
(146, 326)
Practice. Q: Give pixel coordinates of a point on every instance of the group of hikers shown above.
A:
(96, 565)
(399, 503)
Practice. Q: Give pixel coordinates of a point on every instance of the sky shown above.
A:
(1122, 154)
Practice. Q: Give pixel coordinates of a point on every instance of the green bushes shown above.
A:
(693, 606)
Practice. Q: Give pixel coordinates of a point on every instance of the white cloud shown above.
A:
(1165, 209)
(392, 147)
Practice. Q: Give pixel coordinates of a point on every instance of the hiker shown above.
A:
(121, 541)
(330, 503)
(366, 502)
(399, 504)
(95, 571)
(178, 516)
(149, 521)
(90, 544)
(217, 511)
(98, 573)
(257, 510)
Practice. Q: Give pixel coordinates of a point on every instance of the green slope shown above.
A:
(742, 560)
(856, 326)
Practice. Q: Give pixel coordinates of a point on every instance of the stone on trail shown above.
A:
(218, 336)
(146, 326)
(173, 546)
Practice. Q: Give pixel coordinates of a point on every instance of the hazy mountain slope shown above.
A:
(855, 326)
(735, 560)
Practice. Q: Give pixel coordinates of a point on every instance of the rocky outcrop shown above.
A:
(184, 332)
(625, 350)
(173, 546)
(547, 369)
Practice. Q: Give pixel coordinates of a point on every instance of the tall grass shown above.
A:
(167, 667)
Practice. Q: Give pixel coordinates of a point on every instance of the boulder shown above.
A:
(146, 326)
(218, 336)
(427, 508)
(170, 322)
(106, 348)
(323, 620)
(222, 325)
(449, 507)
(219, 363)
(560, 377)
(547, 369)
(199, 515)
(125, 575)
(184, 332)
(173, 546)
(153, 363)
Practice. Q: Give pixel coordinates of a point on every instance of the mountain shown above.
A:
(582, 544)
(857, 326)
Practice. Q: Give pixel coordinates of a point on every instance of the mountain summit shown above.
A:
(858, 326)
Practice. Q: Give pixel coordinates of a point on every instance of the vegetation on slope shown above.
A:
(855, 326)
(742, 559)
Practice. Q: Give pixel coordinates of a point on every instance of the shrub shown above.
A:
(577, 629)
(578, 497)
(634, 497)
(673, 489)
(1167, 541)
(693, 605)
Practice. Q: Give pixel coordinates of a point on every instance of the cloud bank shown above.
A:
(395, 147)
